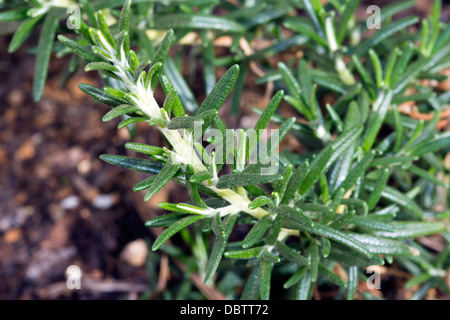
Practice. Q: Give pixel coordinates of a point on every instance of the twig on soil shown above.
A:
(164, 275)
(408, 110)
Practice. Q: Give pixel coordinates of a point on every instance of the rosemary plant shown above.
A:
(362, 193)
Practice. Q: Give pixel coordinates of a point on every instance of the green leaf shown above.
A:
(412, 229)
(103, 26)
(209, 75)
(156, 121)
(438, 142)
(22, 33)
(318, 167)
(325, 247)
(260, 201)
(337, 236)
(144, 148)
(217, 96)
(381, 245)
(174, 228)
(102, 66)
(274, 230)
(409, 74)
(327, 157)
(192, 188)
(352, 283)
(102, 96)
(257, 231)
(350, 7)
(396, 7)
(375, 195)
(418, 280)
(89, 12)
(142, 165)
(310, 10)
(245, 179)
(154, 68)
(346, 257)
(300, 106)
(129, 121)
(255, 191)
(357, 171)
(183, 122)
(366, 78)
(201, 176)
(12, 15)
(294, 214)
(81, 51)
(295, 278)
(379, 111)
(394, 160)
(120, 94)
(400, 199)
(313, 207)
(266, 16)
(342, 166)
(119, 111)
(244, 254)
(295, 182)
(335, 117)
(328, 80)
(414, 136)
(44, 51)
(163, 177)
(266, 115)
(265, 275)
(164, 220)
(291, 83)
(303, 27)
(207, 117)
(219, 248)
(427, 176)
(182, 207)
(275, 139)
(278, 47)
(217, 226)
(329, 276)
(343, 220)
(377, 67)
(314, 258)
(134, 62)
(144, 184)
(304, 287)
(160, 57)
(402, 62)
(384, 33)
(281, 186)
(172, 102)
(251, 289)
(196, 21)
(370, 224)
(291, 254)
(124, 21)
(390, 66)
(353, 202)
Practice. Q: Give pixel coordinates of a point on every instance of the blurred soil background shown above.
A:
(60, 205)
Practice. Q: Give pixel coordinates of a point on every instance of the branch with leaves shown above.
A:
(338, 204)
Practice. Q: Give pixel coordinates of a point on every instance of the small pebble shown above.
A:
(103, 201)
(135, 253)
(70, 202)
